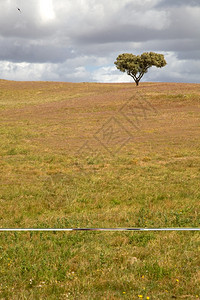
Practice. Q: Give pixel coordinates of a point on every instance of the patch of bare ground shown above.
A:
(67, 123)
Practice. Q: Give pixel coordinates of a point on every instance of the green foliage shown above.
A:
(137, 65)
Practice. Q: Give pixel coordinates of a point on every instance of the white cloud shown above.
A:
(175, 71)
(26, 71)
(46, 10)
(110, 75)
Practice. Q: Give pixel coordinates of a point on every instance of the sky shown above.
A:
(79, 40)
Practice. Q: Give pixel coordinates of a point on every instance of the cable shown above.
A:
(97, 229)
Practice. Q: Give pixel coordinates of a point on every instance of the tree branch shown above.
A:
(133, 76)
(140, 76)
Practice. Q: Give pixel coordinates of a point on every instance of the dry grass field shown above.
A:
(99, 155)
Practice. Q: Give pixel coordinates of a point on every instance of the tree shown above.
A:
(137, 65)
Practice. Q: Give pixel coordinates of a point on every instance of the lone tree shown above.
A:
(137, 65)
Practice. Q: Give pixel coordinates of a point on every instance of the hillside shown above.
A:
(99, 155)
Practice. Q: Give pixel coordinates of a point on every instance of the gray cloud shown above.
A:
(178, 3)
(79, 40)
(189, 55)
(21, 50)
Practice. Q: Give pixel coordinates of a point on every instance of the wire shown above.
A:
(98, 229)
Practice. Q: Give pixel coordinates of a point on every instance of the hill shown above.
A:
(99, 155)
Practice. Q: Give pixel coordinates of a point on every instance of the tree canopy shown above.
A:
(137, 65)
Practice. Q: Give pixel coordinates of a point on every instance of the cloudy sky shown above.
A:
(79, 40)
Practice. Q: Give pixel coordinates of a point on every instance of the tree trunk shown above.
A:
(137, 82)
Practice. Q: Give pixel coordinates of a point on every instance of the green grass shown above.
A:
(152, 182)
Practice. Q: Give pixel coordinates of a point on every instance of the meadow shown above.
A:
(99, 155)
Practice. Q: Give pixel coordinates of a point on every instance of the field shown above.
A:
(99, 155)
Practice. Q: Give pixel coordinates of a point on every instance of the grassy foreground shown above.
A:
(99, 155)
